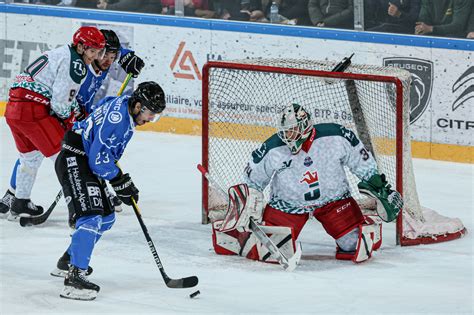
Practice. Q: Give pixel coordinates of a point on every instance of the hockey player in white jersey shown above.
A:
(304, 166)
(41, 105)
(96, 75)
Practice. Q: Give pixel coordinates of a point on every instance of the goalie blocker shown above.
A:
(356, 236)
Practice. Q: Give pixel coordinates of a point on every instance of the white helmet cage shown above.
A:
(294, 127)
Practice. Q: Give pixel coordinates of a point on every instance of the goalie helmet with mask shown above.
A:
(294, 127)
(147, 102)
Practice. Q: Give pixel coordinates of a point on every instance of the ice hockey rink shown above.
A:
(429, 279)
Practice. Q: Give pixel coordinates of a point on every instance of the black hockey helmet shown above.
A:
(150, 95)
(112, 42)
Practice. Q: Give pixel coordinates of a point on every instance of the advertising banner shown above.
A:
(442, 94)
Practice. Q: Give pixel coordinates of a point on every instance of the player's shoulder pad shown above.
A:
(271, 143)
(77, 68)
(331, 129)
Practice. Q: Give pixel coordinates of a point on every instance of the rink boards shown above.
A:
(175, 51)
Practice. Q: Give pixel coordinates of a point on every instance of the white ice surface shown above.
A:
(431, 279)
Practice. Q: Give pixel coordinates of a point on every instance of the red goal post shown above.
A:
(241, 101)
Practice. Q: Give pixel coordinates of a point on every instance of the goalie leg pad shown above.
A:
(376, 222)
(365, 243)
(367, 240)
(339, 217)
(283, 237)
(227, 243)
(283, 229)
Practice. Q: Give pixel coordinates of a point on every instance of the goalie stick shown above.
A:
(40, 219)
(288, 264)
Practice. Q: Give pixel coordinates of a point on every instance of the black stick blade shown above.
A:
(30, 221)
(187, 282)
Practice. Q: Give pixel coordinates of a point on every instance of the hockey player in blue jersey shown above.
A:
(96, 74)
(87, 159)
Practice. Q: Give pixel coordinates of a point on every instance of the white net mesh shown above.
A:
(243, 106)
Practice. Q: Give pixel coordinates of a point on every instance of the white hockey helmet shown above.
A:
(294, 127)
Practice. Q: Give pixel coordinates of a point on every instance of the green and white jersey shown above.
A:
(313, 177)
(57, 75)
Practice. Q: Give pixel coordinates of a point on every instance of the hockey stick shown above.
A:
(187, 282)
(287, 264)
(40, 219)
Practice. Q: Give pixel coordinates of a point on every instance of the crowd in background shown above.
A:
(449, 18)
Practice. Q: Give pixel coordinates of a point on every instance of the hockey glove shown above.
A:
(79, 113)
(125, 188)
(389, 202)
(131, 63)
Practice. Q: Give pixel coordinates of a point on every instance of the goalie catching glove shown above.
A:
(389, 201)
(125, 188)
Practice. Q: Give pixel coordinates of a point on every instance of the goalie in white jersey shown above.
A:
(304, 166)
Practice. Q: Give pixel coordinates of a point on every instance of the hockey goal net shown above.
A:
(242, 100)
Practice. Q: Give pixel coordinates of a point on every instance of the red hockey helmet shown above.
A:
(89, 36)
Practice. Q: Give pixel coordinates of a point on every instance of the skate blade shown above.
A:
(118, 208)
(58, 273)
(16, 216)
(78, 294)
(13, 217)
(4, 215)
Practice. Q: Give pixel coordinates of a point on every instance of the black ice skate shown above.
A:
(24, 208)
(78, 287)
(62, 267)
(6, 203)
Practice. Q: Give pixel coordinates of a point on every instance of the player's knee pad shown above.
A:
(91, 223)
(87, 229)
(107, 222)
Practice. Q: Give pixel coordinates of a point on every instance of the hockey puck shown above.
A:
(193, 295)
